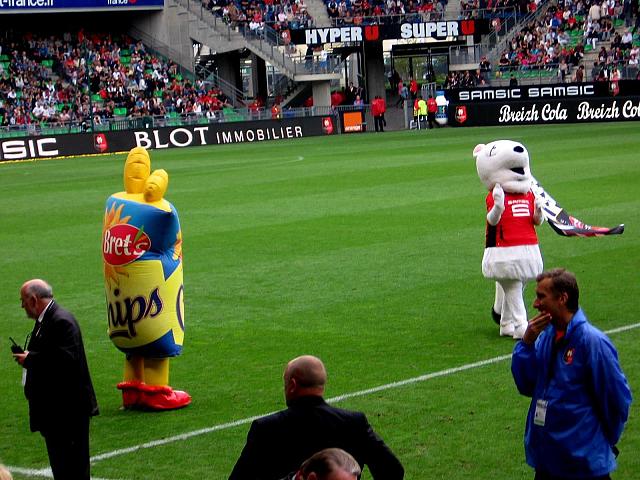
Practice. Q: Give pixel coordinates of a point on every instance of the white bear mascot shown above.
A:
(511, 256)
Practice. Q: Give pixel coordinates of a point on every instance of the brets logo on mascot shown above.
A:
(142, 254)
(511, 256)
(516, 203)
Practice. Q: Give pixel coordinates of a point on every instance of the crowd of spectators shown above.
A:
(88, 78)
(544, 43)
(495, 8)
(252, 16)
(362, 12)
(466, 79)
(558, 41)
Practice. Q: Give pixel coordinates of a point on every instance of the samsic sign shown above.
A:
(623, 88)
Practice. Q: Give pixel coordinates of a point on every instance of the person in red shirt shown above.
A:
(413, 88)
(276, 111)
(432, 108)
(378, 109)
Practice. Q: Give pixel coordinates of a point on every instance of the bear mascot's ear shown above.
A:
(478, 149)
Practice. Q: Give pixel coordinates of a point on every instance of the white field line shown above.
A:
(46, 472)
(43, 472)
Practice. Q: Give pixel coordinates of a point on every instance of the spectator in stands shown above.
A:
(279, 443)
(627, 39)
(594, 12)
(485, 64)
(563, 70)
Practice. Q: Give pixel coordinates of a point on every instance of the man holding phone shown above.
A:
(57, 382)
(580, 397)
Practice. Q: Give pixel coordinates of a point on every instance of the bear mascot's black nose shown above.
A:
(518, 149)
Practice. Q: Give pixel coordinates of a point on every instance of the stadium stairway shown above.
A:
(318, 11)
(210, 30)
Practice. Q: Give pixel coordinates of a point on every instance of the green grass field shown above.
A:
(364, 250)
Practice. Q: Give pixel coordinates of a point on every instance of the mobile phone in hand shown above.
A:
(15, 348)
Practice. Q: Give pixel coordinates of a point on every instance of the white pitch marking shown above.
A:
(339, 398)
(184, 436)
(43, 472)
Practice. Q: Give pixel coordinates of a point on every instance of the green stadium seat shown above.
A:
(173, 119)
(120, 111)
(4, 58)
(47, 63)
(125, 60)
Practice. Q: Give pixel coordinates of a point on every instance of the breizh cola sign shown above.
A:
(573, 103)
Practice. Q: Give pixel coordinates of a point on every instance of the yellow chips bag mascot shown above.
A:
(142, 253)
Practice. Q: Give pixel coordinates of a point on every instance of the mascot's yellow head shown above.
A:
(136, 170)
(504, 162)
(156, 186)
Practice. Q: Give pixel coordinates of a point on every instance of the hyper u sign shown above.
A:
(440, 30)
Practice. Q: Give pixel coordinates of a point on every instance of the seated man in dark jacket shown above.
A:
(277, 444)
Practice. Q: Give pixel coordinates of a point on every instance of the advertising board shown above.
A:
(41, 147)
(46, 6)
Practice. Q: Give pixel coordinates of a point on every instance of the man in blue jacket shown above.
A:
(579, 395)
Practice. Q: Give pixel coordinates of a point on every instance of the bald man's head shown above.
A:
(35, 295)
(304, 376)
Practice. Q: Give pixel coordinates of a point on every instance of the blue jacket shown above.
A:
(588, 400)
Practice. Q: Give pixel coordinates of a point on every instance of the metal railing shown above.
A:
(277, 50)
(148, 122)
(418, 17)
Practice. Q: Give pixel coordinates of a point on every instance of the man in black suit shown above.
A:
(277, 444)
(57, 382)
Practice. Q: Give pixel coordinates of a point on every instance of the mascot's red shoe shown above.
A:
(158, 397)
(130, 393)
(139, 395)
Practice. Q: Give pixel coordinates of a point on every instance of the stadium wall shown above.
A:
(34, 148)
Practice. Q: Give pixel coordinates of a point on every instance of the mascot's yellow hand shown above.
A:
(136, 170)
(156, 186)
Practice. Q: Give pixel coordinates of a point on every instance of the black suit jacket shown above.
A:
(58, 385)
(279, 443)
